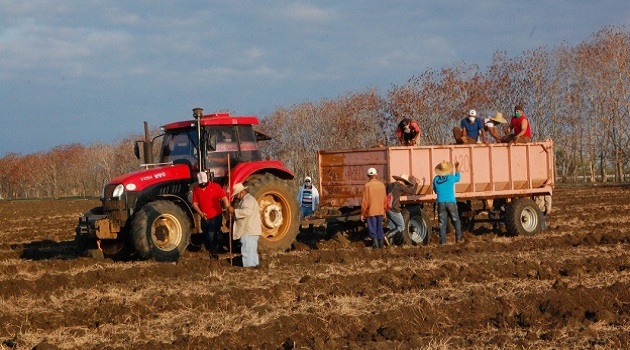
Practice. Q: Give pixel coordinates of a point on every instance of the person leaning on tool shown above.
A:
(247, 224)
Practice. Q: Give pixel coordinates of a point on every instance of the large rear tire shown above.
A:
(418, 226)
(278, 212)
(160, 230)
(523, 217)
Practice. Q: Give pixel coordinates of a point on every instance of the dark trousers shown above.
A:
(211, 228)
(444, 211)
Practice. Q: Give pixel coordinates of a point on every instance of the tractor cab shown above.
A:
(221, 136)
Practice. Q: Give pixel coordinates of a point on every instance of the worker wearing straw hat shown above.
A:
(247, 224)
(444, 186)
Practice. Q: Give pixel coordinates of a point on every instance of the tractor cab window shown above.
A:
(237, 141)
(249, 145)
(179, 147)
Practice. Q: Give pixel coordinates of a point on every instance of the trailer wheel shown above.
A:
(523, 217)
(418, 226)
(278, 212)
(160, 230)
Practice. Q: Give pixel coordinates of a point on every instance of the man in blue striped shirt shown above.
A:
(308, 198)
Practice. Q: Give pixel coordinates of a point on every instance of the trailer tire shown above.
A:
(523, 217)
(160, 230)
(418, 226)
(279, 212)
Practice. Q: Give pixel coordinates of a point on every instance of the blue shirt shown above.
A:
(472, 129)
(444, 187)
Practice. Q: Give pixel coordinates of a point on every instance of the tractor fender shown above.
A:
(242, 171)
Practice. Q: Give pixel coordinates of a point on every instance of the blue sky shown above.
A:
(91, 71)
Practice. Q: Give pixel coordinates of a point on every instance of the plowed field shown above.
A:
(568, 287)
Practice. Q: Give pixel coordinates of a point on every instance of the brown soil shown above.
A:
(568, 287)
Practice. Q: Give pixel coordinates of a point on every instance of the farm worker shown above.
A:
(469, 129)
(444, 186)
(544, 203)
(247, 224)
(408, 132)
(402, 184)
(373, 208)
(207, 199)
(519, 130)
(308, 198)
(491, 124)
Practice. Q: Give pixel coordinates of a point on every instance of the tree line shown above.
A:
(577, 95)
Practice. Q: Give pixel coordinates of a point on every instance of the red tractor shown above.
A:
(149, 211)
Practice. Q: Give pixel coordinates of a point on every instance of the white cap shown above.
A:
(372, 171)
(472, 113)
(202, 177)
(308, 178)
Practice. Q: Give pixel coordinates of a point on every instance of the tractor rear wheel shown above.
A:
(160, 230)
(278, 212)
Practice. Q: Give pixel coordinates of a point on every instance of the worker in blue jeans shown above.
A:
(444, 186)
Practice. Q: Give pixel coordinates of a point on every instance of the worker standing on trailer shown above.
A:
(444, 186)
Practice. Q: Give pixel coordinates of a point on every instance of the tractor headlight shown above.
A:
(118, 191)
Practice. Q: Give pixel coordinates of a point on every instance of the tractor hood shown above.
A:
(139, 180)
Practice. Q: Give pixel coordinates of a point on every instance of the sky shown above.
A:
(88, 71)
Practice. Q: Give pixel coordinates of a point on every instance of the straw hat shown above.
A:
(237, 188)
(444, 168)
(498, 118)
(403, 177)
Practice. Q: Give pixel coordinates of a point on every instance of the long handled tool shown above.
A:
(230, 214)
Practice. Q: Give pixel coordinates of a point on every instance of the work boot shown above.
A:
(375, 243)
(381, 242)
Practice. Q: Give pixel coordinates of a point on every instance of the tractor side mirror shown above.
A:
(136, 149)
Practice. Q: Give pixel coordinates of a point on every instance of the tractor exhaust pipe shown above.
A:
(147, 146)
(197, 114)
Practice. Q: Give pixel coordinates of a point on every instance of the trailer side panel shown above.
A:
(488, 171)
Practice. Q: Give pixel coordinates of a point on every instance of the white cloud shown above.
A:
(308, 12)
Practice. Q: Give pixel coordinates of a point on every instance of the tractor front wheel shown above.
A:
(160, 230)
